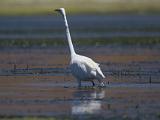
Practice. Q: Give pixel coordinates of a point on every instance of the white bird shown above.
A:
(82, 68)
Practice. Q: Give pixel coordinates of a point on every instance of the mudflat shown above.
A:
(37, 82)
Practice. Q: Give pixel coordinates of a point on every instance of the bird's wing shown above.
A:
(90, 63)
(93, 66)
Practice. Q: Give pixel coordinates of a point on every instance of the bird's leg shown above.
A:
(93, 83)
(79, 83)
(101, 83)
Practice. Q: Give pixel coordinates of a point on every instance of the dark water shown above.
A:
(82, 26)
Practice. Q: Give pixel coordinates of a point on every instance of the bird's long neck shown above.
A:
(72, 51)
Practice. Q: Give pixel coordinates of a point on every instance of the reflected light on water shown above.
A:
(90, 103)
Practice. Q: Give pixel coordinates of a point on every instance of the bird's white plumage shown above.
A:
(82, 67)
(85, 68)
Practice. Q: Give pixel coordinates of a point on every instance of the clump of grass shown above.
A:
(99, 41)
(30, 42)
(120, 41)
(35, 118)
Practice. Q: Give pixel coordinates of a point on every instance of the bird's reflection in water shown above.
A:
(87, 101)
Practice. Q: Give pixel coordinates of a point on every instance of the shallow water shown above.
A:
(124, 100)
(89, 26)
(37, 82)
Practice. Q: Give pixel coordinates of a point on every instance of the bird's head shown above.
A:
(61, 11)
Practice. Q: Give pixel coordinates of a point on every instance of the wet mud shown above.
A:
(37, 82)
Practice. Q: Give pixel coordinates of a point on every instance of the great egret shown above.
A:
(82, 68)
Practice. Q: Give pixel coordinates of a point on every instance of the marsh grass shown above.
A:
(85, 117)
(99, 41)
(87, 30)
(31, 7)
(33, 118)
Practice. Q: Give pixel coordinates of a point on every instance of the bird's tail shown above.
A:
(100, 75)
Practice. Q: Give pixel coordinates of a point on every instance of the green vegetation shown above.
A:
(35, 7)
(86, 117)
(100, 41)
(62, 117)
(121, 41)
(32, 118)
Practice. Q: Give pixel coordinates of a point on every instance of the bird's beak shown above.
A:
(60, 10)
(57, 10)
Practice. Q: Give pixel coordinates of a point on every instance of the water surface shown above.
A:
(37, 82)
(82, 26)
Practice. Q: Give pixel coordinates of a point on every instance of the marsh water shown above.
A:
(36, 81)
(81, 26)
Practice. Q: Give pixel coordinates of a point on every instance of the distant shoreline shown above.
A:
(31, 7)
